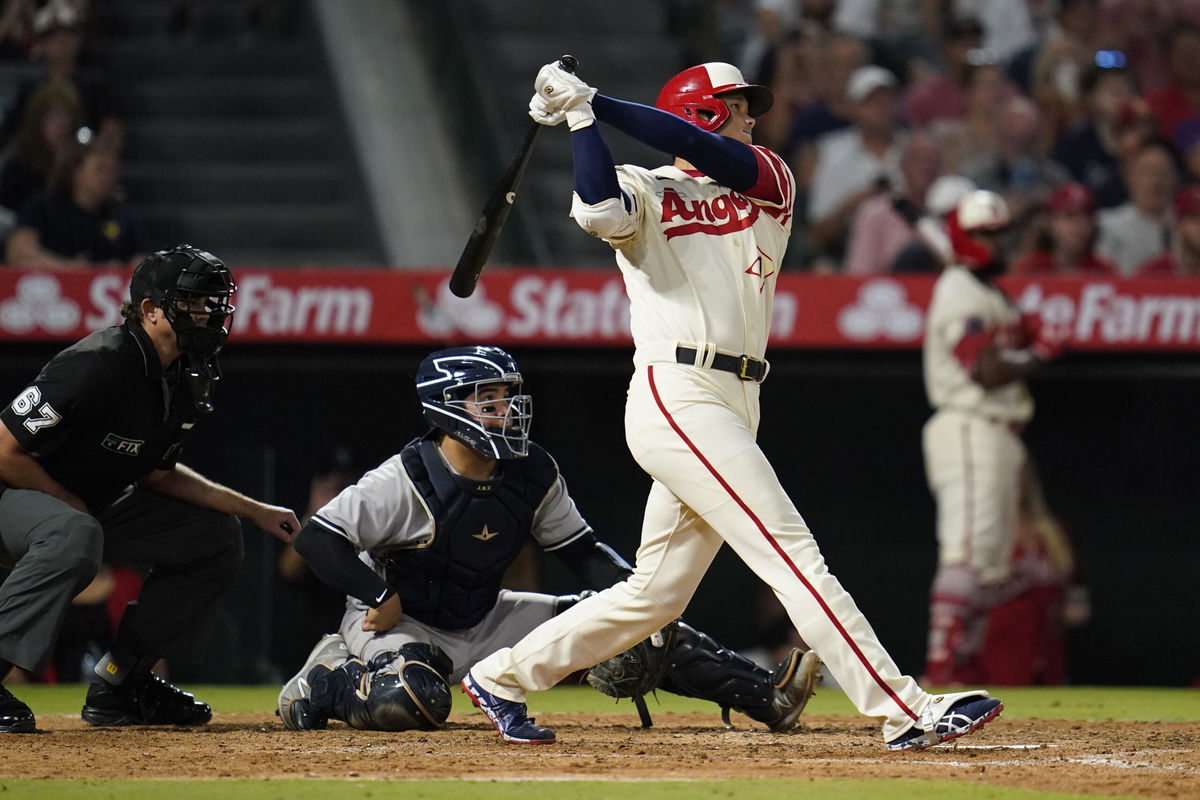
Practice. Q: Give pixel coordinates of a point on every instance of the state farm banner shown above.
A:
(575, 307)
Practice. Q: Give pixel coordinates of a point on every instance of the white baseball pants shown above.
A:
(693, 430)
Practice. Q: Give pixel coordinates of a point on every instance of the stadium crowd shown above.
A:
(1083, 114)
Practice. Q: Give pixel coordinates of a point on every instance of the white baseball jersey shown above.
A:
(700, 263)
(699, 259)
(384, 512)
(964, 316)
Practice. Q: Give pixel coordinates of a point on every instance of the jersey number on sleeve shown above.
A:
(27, 402)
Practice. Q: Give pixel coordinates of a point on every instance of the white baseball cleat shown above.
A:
(294, 708)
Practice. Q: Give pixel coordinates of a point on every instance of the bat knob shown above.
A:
(568, 63)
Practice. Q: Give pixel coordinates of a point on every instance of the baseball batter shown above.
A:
(421, 545)
(978, 349)
(699, 244)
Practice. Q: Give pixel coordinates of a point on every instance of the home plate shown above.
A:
(952, 746)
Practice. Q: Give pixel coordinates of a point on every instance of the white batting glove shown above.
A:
(580, 116)
(562, 90)
(544, 113)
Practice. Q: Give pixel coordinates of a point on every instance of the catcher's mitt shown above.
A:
(637, 671)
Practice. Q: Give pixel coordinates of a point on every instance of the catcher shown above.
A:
(421, 544)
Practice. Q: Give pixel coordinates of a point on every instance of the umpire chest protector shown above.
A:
(479, 528)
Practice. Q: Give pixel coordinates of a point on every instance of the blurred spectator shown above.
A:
(1055, 86)
(59, 30)
(1017, 169)
(988, 90)
(313, 608)
(902, 33)
(1066, 238)
(855, 163)
(943, 94)
(1180, 98)
(774, 21)
(1187, 145)
(1135, 232)
(78, 220)
(1025, 643)
(834, 61)
(1089, 149)
(793, 80)
(47, 133)
(930, 250)
(1073, 21)
(16, 22)
(1007, 25)
(885, 223)
(1140, 28)
(1182, 259)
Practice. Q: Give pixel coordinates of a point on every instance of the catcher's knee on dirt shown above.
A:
(400, 690)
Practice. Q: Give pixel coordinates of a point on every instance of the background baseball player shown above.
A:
(978, 350)
(699, 244)
(421, 545)
(89, 470)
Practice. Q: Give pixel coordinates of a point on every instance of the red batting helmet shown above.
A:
(698, 89)
(977, 212)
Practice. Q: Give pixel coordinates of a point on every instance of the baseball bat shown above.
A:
(495, 212)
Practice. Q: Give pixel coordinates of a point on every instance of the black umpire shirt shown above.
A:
(103, 414)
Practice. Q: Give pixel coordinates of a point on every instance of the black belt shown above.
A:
(748, 368)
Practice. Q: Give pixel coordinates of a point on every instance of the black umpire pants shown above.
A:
(188, 556)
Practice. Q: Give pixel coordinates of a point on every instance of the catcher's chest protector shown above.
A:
(479, 529)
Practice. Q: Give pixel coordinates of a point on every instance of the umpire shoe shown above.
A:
(510, 719)
(948, 717)
(146, 701)
(794, 682)
(15, 716)
(295, 699)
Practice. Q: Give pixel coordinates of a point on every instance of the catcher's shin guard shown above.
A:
(698, 666)
(399, 691)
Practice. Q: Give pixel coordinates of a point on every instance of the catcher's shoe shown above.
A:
(794, 682)
(510, 719)
(146, 701)
(15, 716)
(295, 706)
(948, 717)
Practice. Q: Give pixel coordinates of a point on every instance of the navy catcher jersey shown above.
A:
(443, 541)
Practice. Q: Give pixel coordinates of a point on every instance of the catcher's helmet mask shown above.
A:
(474, 394)
(695, 95)
(193, 288)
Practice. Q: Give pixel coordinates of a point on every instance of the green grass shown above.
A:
(1074, 702)
(1082, 703)
(836, 789)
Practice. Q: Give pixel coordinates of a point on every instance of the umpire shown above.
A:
(89, 472)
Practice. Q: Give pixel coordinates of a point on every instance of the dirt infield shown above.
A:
(1152, 760)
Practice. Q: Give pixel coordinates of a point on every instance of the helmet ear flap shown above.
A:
(699, 89)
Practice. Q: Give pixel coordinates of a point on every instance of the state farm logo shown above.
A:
(1104, 314)
(280, 310)
(534, 308)
(882, 310)
(39, 303)
(446, 314)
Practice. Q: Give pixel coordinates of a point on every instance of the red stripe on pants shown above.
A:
(776, 547)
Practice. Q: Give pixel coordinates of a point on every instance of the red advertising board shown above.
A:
(577, 307)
